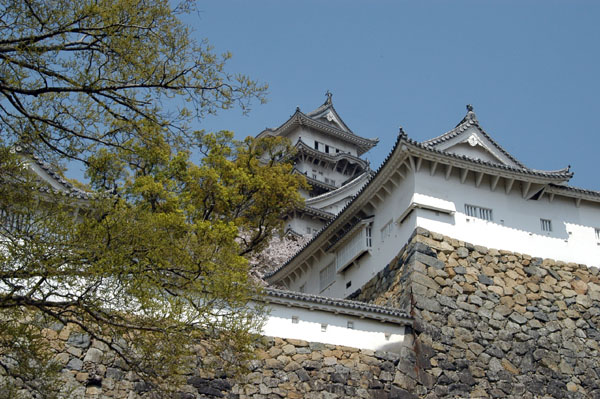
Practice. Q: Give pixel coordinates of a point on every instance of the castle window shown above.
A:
(350, 325)
(294, 319)
(353, 248)
(316, 145)
(12, 221)
(308, 230)
(323, 327)
(326, 276)
(546, 225)
(478, 212)
(332, 182)
(326, 148)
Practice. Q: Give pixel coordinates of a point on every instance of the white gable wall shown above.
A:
(476, 152)
(483, 149)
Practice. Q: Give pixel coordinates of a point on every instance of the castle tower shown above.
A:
(329, 155)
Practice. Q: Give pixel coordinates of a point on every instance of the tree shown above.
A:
(156, 257)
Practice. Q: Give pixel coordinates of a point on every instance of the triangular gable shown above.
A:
(326, 113)
(470, 140)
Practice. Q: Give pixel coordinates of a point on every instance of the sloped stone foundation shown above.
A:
(490, 323)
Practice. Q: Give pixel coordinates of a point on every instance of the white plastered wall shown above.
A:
(383, 250)
(331, 328)
(516, 224)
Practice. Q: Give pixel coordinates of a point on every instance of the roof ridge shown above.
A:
(346, 303)
(70, 188)
(470, 119)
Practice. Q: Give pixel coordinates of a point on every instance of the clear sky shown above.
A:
(530, 69)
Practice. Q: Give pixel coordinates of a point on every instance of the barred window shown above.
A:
(478, 212)
(12, 221)
(546, 224)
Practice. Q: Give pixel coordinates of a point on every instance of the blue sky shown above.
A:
(530, 69)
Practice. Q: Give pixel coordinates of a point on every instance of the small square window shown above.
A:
(351, 325)
(294, 319)
(546, 225)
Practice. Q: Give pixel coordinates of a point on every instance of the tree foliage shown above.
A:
(156, 258)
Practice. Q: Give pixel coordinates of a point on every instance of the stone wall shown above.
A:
(281, 369)
(492, 323)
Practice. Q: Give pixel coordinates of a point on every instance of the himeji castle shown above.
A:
(461, 184)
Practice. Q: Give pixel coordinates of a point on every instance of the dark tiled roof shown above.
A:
(318, 183)
(68, 189)
(302, 119)
(303, 147)
(469, 120)
(328, 105)
(561, 174)
(312, 300)
(575, 190)
(317, 212)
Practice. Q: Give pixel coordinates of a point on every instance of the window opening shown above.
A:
(326, 276)
(478, 212)
(546, 224)
(597, 231)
